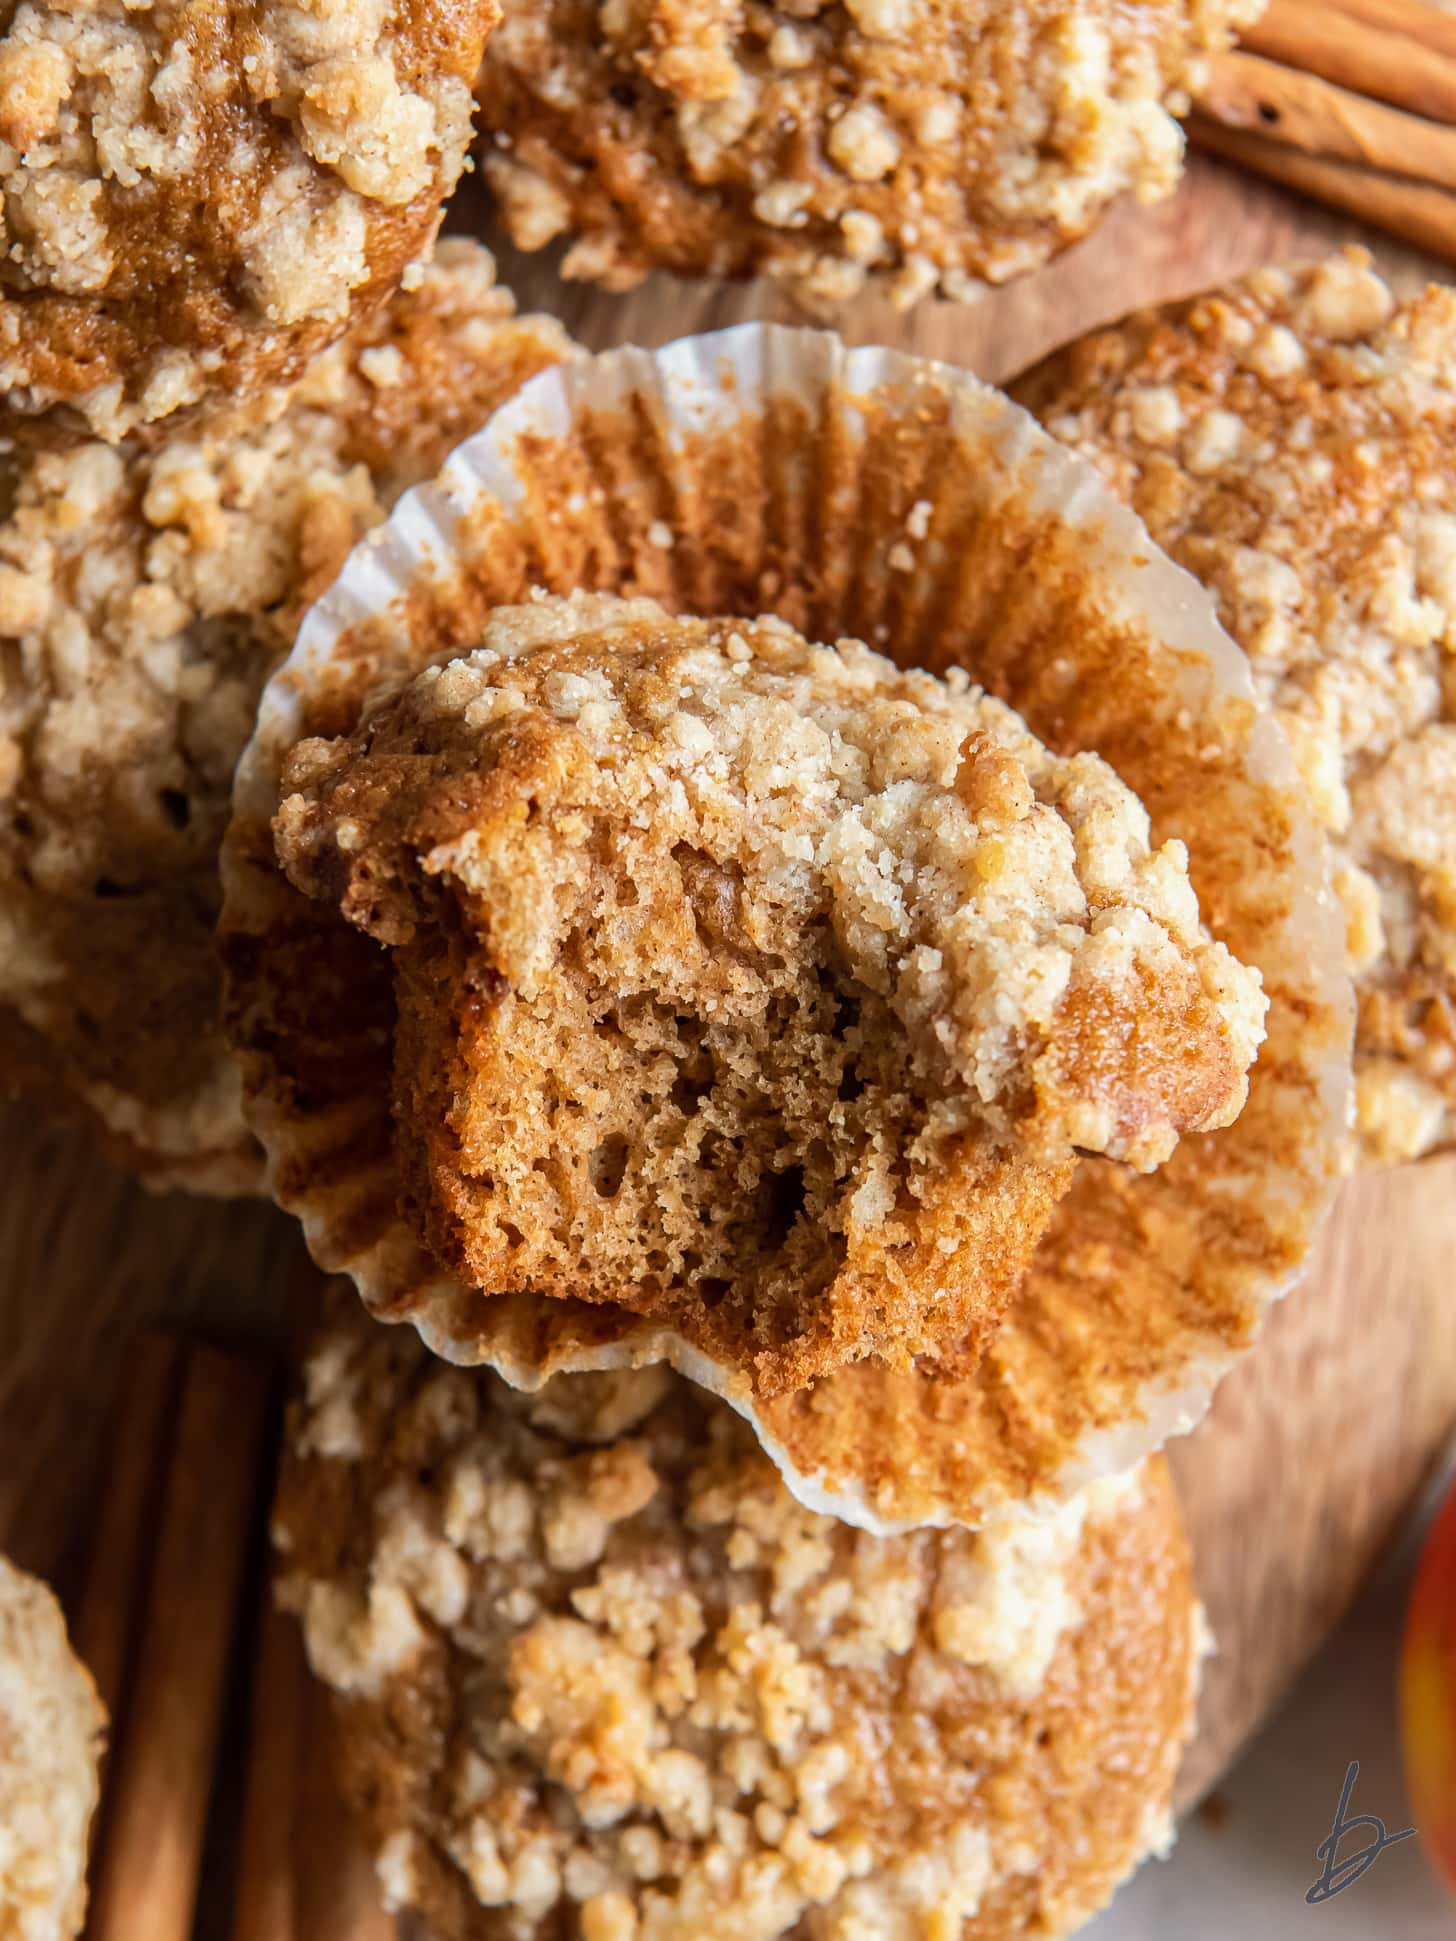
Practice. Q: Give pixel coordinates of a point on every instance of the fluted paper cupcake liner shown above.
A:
(863, 494)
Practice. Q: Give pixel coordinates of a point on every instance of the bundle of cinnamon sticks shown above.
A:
(216, 1784)
(1352, 102)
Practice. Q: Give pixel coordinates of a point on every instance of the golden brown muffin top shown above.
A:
(759, 986)
(51, 1726)
(598, 1673)
(195, 198)
(148, 592)
(1289, 439)
(928, 142)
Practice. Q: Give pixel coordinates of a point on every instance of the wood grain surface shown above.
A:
(1314, 1446)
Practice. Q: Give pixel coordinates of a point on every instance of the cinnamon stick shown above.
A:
(338, 1890)
(302, 1873)
(1420, 213)
(265, 1907)
(160, 1777)
(1341, 46)
(1285, 105)
(136, 1447)
(1414, 20)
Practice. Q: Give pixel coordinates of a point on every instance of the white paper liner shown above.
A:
(1057, 1401)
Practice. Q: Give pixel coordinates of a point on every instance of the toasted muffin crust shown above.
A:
(196, 199)
(145, 595)
(598, 1674)
(927, 142)
(1289, 440)
(757, 987)
(51, 1726)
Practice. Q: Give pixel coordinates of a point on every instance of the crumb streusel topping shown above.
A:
(598, 1673)
(928, 142)
(51, 1726)
(1289, 440)
(145, 595)
(192, 197)
(757, 986)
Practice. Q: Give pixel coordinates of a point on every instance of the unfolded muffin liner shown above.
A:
(864, 494)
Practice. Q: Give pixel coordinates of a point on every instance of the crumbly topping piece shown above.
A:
(51, 1726)
(599, 1673)
(1288, 440)
(752, 984)
(145, 595)
(191, 200)
(930, 142)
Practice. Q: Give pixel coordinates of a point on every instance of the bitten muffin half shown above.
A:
(194, 200)
(145, 596)
(1288, 439)
(922, 141)
(759, 988)
(853, 495)
(51, 1727)
(597, 1673)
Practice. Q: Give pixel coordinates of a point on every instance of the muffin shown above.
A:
(851, 495)
(921, 142)
(195, 203)
(145, 595)
(596, 1672)
(758, 988)
(51, 1727)
(1288, 439)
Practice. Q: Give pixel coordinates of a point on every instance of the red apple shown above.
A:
(1428, 1693)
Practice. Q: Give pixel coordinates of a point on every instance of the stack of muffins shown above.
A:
(835, 1124)
(765, 928)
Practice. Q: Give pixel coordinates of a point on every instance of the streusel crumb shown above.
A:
(51, 1726)
(194, 200)
(597, 1673)
(925, 142)
(145, 596)
(1289, 440)
(758, 987)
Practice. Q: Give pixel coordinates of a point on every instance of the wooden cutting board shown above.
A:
(1315, 1445)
